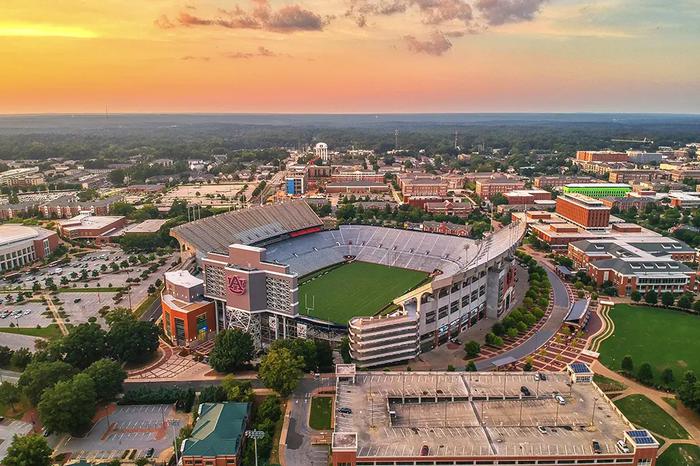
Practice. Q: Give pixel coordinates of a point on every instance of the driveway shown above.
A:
(8, 429)
(299, 451)
(548, 330)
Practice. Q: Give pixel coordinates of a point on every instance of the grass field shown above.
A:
(643, 412)
(607, 384)
(51, 331)
(354, 289)
(663, 338)
(680, 455)
(320, 417)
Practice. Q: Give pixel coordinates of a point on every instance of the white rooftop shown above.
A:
(183, 278)
(13, 233)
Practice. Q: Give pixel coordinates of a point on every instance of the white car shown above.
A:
(560, 399)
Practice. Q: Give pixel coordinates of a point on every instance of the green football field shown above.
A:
(354, 289)
(661, 337)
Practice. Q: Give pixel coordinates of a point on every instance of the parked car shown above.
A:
(525, 391)
(149, 452)
(560, 399)
(542, 429)
(345, 410)
(543, 377)
(424, 450)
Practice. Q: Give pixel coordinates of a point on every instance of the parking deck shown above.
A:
(476, 414)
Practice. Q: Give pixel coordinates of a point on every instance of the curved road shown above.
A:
(548, 330)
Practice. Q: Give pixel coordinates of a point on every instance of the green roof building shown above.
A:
(217, 437)
(598, 190)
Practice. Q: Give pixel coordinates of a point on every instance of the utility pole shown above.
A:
(255, 435)
(595, 402)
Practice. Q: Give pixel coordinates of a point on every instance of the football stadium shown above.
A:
(275, 272)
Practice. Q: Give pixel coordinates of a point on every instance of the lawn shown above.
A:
(607, 384)
(50, 331)
(321, 410)
(643, 412)
(661, 337)
(354, 289)
(680, 455)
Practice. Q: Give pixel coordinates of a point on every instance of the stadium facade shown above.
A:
(252, 261)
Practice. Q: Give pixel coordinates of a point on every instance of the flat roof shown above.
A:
(13, 233)
(183, 278)
(394, 414)
(147, 226)
(84, 221)
(598, 185)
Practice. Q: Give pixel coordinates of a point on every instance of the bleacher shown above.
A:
(397, 248)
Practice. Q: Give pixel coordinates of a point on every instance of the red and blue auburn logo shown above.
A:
(237, 285)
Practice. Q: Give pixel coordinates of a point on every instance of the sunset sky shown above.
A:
(346, 56)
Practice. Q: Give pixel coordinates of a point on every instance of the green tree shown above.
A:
(667, 298)
(651, 297)
(20, 358)
(280, 370)
(69, 405)
(472, 348)
(40, 376)
(471, 367)
(9, 394)
(636, 296)
(131, 340)
(84, 345)
(108, 376)
(237, 390)
(627, 365)
(667, 376)
(233, 350)
(685, 301)
(645, 373)
(28, 450)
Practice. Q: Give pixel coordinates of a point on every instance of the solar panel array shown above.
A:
(641, 437)
(580, 368)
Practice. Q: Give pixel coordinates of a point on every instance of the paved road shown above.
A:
(299, 451)
(9, 376)
(548, 330)
(16, 341)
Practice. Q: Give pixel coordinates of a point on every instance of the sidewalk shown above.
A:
(688, 419)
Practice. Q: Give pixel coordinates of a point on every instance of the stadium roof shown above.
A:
(249, 226)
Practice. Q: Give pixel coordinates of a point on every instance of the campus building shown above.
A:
(601, 156)
(218, 436)
(559, 181)
(357, 187)
(527, 196)
(357, 175)
(481, 418)
(583, 210)
(598, 190)
(90, 227)
(497, 184)
(187, 317)
(422, 186)
(296, 181)
(22, 245)
(447, 207)
(636, 265)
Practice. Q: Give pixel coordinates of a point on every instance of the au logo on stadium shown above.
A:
(237, 285)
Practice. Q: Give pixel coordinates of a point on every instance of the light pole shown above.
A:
(172, 423)
(255, 435)
(595, 402)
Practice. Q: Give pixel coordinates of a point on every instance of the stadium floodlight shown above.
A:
(255, 435)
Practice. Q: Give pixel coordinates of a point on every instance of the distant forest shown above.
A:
(180, 137)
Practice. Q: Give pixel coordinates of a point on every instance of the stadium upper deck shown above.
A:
(250, 226)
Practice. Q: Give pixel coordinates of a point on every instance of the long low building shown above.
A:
(22, 245)
(481, 418)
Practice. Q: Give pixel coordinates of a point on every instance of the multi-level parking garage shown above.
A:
(253, 278)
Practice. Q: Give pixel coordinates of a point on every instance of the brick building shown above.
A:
(559, 181)
(357, 187)
(91, 227)
(601, 156)
(489, 187)
(458, 209)
(527, 196)
(583, 211)
(446, 228)
(218, 436)
(22, 245)
(419, 186)
(187, 316)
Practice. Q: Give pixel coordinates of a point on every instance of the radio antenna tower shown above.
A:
(396, 139)
(456, 146)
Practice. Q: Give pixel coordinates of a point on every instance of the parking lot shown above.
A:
(8, 429)
(138, 427)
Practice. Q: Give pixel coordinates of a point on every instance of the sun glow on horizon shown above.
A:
(45, 30)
